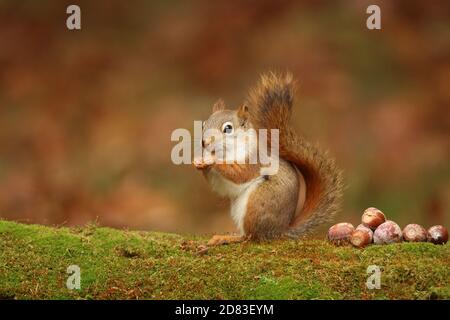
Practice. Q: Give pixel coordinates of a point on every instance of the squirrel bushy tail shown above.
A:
(270, 107)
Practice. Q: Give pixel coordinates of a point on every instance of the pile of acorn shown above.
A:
(376, 229)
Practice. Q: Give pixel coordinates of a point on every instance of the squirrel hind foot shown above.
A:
(217, 240)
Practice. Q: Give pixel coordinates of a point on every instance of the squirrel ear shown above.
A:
(243, 112)
(219, 106)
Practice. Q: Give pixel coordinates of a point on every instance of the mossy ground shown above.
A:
(117, 264)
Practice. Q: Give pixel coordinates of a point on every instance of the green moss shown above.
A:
(290, 288)
(149, 265)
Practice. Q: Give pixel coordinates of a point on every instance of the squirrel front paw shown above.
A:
(203, 163)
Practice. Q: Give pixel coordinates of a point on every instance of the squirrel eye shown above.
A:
(227, 128)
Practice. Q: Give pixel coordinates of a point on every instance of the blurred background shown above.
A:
(86, 116)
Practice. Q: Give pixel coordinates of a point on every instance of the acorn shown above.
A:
(340, 233)
(368, 230)
(387, 232)
(360, 238)
(438, 234)
(372, 218)
(414, 233)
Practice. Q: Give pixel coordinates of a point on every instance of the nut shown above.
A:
(372, 218)
(438, 234)
(340, 233)
(387, 232)
(360, 238)
(414, 233)
(368, 230)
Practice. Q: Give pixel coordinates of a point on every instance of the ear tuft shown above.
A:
(219, 106)
(243, 112)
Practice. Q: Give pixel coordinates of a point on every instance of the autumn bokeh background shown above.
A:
(86, 116)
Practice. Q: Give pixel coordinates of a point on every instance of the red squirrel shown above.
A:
(307, 188)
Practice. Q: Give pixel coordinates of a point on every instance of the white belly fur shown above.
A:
(238, 194)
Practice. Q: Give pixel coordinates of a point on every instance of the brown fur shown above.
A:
(271, 207)
(238, 173)
(270, 107)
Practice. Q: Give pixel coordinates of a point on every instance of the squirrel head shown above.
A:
(224, 123)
